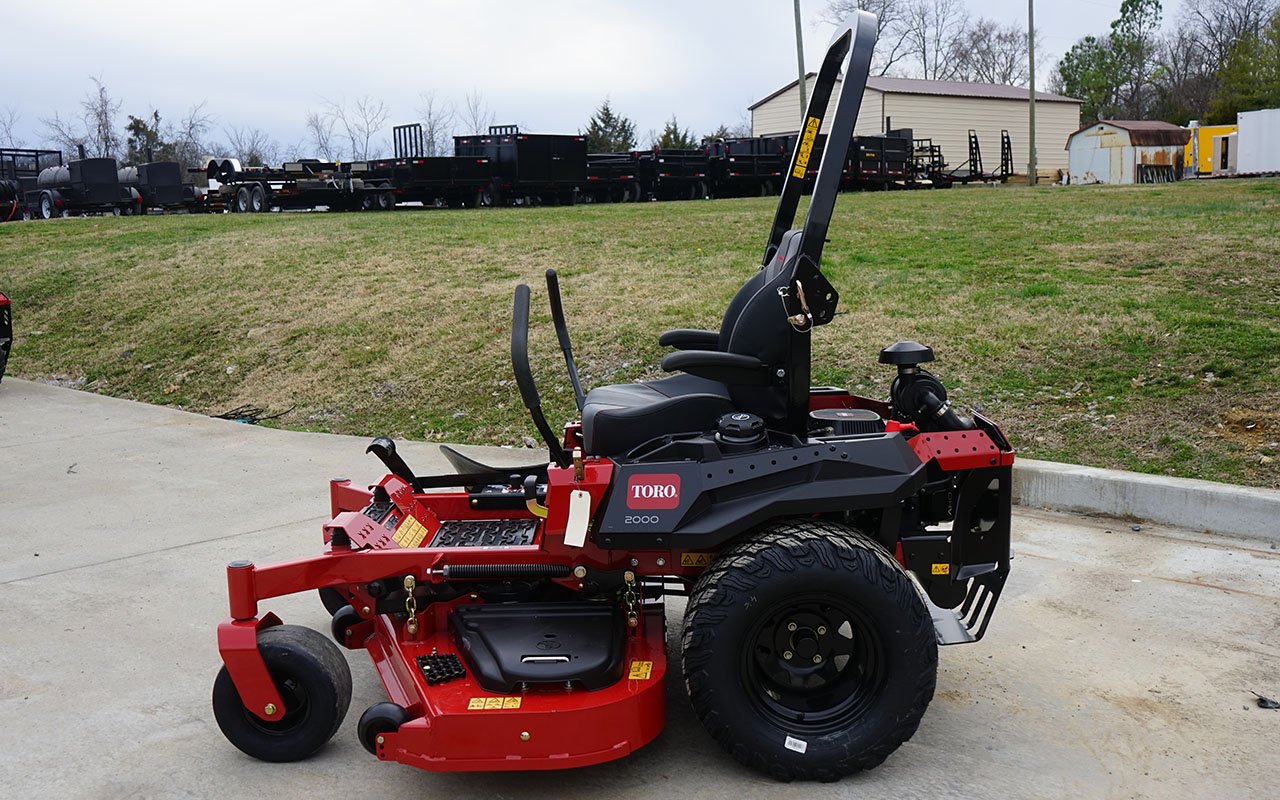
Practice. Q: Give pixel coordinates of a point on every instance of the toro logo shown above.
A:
(661, 490)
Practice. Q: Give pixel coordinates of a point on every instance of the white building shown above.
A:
(1127, 151)
(945, 111)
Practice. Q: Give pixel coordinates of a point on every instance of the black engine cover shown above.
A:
(539, 643)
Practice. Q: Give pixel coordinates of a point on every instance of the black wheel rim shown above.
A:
(813, 664)
(297, 709)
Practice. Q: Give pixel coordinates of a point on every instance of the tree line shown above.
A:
(1216, 58)
(336, 131)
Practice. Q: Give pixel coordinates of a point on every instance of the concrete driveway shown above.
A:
(1118, 665)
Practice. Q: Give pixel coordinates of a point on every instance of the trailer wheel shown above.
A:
(484, 198)
(386, 201)
(808, 652)
(439, 202)
(257, 199)
(242, 200)
(704, 193)
(315, 684)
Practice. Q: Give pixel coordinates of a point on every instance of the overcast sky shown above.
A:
(544, 65)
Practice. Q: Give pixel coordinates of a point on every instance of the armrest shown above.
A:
(685, 339)
(728, 368)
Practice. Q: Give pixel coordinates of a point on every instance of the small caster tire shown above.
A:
(378, 719)
(342, 622)
(315, 684)
(332, 599)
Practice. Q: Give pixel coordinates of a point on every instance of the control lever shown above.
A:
(385, 450)
(531, 497)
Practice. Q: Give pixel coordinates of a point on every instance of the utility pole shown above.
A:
(804, 90)
(1031, 55)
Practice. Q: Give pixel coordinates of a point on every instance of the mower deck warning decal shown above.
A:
(640, 670)
(696, 559)
(806, 147)
(410, 533)
(492, 703)
(941, 569)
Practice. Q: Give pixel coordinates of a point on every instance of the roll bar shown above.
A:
(524, 376)
(851, 46)
(562, 333)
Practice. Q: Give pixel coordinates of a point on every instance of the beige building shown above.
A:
(945, 111)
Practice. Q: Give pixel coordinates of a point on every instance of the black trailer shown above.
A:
(19, 170)
(297, 185)
(880, 162)
(158, 186)
(750, 167)
(971, 171)
(411, 176)
(529, 168)
(82, 186)
(614, 178)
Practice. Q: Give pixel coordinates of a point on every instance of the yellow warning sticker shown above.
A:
(806, 147)
(640, 670)
(493, 703)
(941, 569)
(410, 533)
(696, 559)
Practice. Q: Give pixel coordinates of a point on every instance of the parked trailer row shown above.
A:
(504, 167)
(37, 183)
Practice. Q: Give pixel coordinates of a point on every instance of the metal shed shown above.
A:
(944, 111)
(1127, 151)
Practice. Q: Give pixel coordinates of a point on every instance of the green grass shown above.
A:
(1122, 327)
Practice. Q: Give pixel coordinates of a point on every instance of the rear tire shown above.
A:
(808, 652)
(242, 200)
(46, 206)
(257, 200)
(315, 684)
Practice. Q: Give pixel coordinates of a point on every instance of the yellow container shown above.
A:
(1199, 152)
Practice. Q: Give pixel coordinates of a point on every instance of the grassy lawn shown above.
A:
(1134, 327)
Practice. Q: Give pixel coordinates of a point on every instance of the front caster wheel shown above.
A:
(378, 719)
(315, 684)
(808, 652)
(333, 600)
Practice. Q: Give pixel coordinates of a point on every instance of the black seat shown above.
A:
(739, 374)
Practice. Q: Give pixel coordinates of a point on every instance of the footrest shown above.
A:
(486, 533)
(438, 668)
(540, 643)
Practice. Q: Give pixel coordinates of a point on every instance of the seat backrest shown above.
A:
(755, 324)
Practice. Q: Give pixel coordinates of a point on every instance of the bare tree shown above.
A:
(188, 135)
(8, 122)
(932, 28)
(1219, 24)
(990, 52)
(359, 124)
(254, 147)
(476, 116)
(438, 121)
(891, 31)
(96, 129)
(100, 113)
(320, 132)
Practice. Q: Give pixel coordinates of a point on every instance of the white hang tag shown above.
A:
(575, 533)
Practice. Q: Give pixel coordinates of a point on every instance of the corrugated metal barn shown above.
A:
(945, 111)
(1127, 151)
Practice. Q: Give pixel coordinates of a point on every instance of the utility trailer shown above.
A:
(20, 170)
(614, 178)
(296, 185)
(929, 165)
(529, 168)
(880, 162)
(750, 167)
(81, 186)
(971, 170)
(441, 181)
(158, 186)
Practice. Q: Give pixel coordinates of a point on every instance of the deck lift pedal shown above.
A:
(828, 544)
